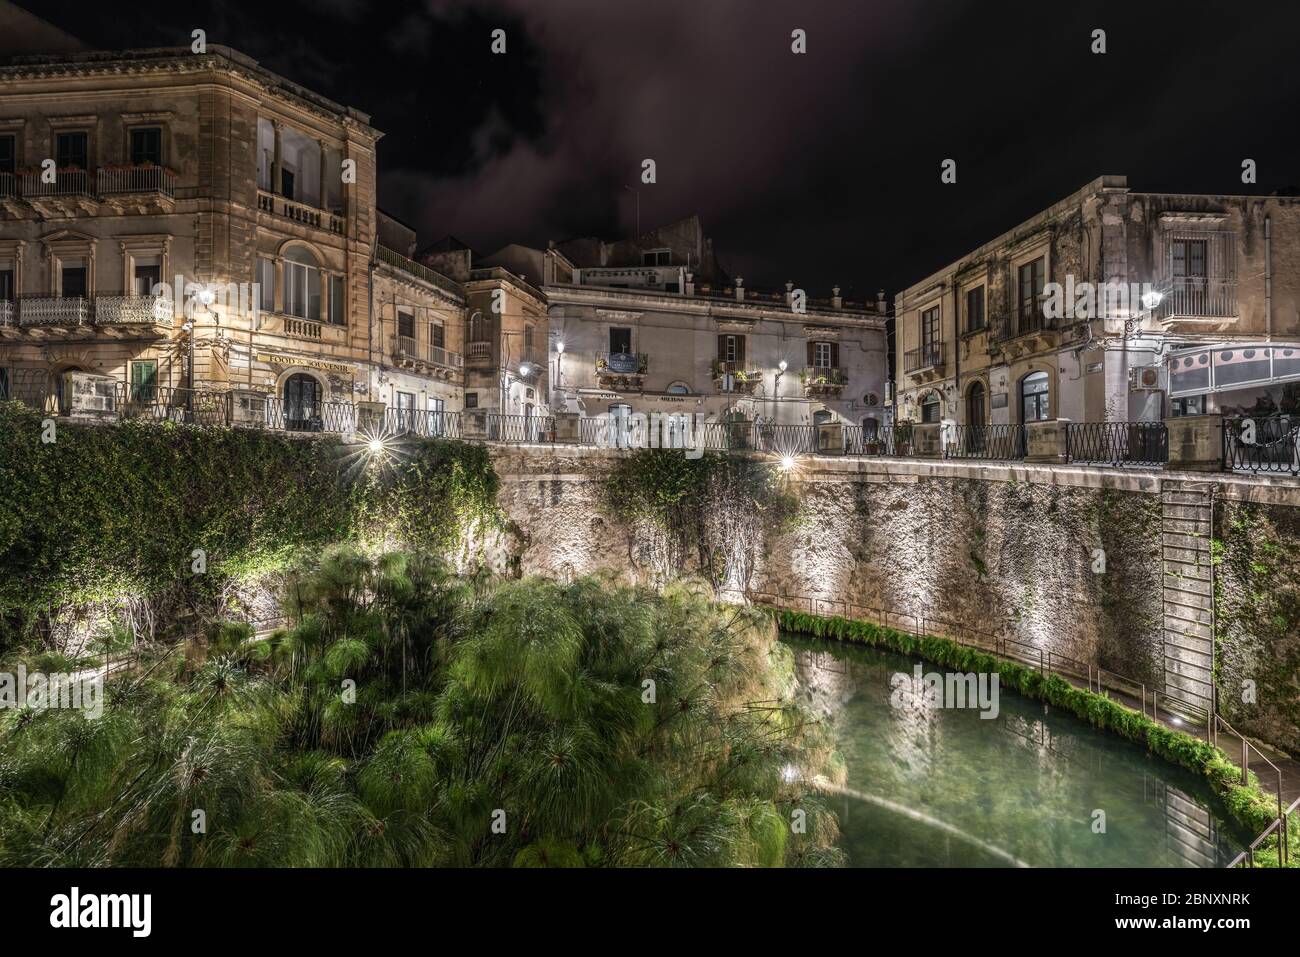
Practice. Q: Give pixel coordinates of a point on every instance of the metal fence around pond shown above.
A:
(1262, 444)
(425, 423)
(990, 442)
(1117, 443)
(520, 429)
(163, 403)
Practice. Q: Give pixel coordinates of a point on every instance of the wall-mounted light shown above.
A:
(782, 365)
(1152, 299)
(559, 347)
(525, 368)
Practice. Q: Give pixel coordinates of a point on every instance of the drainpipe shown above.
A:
(1268, 279)
(956, 352)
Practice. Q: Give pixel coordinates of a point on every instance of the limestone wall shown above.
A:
(1066, 560)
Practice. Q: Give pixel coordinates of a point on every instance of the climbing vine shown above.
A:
(715, 510)
(124, 513)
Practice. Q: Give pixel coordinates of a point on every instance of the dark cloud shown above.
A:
(818, 168)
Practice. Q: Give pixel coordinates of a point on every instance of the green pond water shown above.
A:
(931, 786)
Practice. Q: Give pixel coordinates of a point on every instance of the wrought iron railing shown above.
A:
(294, 415)
(127, 310)
(53, 311)
(928, 356)
(135, 179)
(991, 442)
(8, 186)
(1199, 296)
(520, 428)
(1117, 443)
(8, 313)
(1262, 444)
(395, 259)
(161, 403)
(823, 378)
(622, 363)
(426, 423)
(67, 182)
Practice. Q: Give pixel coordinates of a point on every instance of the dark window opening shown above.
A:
(71, 150)
(146, 147)
(620, 341)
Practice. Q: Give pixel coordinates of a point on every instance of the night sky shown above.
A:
(819, 168)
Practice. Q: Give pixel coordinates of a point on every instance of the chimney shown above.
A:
(690, 284)
(880, 301)
(740, 289)
(836, 301)
(789, 291)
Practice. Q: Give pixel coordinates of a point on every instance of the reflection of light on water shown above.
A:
(916, 815)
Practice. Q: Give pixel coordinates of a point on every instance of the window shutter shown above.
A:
(722, 348)
(812, 354)
(835, 355)
(740, 350)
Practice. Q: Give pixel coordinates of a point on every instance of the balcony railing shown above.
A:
(1199, 297)
(479, 351)
(8, 314)
(622, 363)
(300, 212)
(302, 328)
(1262, 444)
(127, 310)
(54, 311)
(929, 356)
(68, 182)
(1117, 443)
(8, 186)
(996, 442)
(409, 349)
(419, 270)
(823, 379)
(111, 181)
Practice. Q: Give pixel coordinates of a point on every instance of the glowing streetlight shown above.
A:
(525, 368)
(559, 347)
(782, 365)
(787, 463)
(1152, 299)
(375, 445)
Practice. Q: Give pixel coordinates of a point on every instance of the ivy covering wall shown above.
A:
(103, 513)
(1257, 612)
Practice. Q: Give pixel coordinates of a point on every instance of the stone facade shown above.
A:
(1196, 283)
(180, 219)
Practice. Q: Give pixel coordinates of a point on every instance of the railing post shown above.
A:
(1197, 443)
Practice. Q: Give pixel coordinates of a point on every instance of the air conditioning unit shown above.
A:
(1146, 378)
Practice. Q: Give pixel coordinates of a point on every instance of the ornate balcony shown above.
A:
(426, 358)
(478, 354)
(926, 362)
(133, 310)
(823, 380)
(146, 188)
(302, 328)
(621, 370)
(8, 314)
(54, 311)
(68, 192)
(742, 377)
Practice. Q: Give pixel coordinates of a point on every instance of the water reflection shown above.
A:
(932, 786)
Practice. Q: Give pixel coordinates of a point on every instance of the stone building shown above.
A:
(653, 324)
(175, 221)
(1111, 305)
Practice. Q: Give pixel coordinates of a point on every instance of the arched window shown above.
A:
(1033, 398)
(302, 403)
(870, 428)
(478, 328)
(975, 404)
(930, 407)
(679, 388)
(301, 284)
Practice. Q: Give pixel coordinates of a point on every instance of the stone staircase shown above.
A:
(1186, 514)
